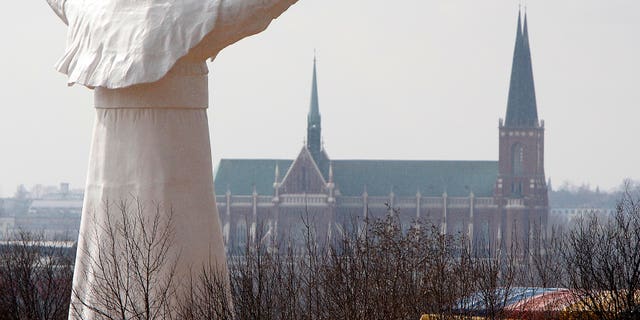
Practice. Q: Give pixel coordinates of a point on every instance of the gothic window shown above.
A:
(458, 228)
(517, 159)
(298, 234)
(483, 242)
(516, 188)
(241, 234)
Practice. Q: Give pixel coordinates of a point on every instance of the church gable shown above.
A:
(303, 176)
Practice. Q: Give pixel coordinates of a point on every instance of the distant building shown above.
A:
(56, 219)
(562, 217)
(568, 205)
(54, 215)
(8, 209)
(490, 201)
(7, 225)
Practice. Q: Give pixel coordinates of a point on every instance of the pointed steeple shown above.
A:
(314, 130)
(521, 106)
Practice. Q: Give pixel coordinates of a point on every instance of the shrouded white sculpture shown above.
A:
(146, 61)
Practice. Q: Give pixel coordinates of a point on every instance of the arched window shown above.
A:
(517, 159)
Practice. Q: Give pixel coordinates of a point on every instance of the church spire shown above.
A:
(521, 106)
(314, 143)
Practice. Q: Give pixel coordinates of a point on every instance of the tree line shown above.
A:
(372, 270)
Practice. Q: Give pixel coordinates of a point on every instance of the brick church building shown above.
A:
(492, 202)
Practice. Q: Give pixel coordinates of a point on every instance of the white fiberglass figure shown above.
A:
(145, 60)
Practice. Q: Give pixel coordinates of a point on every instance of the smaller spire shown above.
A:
(277, 173)
(330, 171)
(314, 120)
(525, 30)
(314, 108)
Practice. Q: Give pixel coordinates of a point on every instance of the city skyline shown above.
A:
(393, 81)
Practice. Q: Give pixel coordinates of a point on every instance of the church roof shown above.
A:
(521, 105)
(381, 177)
(405, 178)
(240, 175)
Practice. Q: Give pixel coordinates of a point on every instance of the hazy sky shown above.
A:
(412, 79)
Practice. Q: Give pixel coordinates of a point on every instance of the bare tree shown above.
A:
(603, 261)
(129, 266)
(372, 269)
(207, 298)
(380, 271)
(545, 265)
(254, 284)
(35, 279)
(496, 279)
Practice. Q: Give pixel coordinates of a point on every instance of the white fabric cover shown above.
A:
(150, 146)
(118, 43)
(146, 61)
(157, 156)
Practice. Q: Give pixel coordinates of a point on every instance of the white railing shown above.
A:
(483, 202)
(406, 202)
(241, 201)
(458, 202)
(515, 203)
(295, 199)
(378, 201)
(350, 201)
(432, 202)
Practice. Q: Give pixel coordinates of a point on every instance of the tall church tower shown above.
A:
(521, 189)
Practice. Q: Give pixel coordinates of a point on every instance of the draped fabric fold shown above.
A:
(58, 8)
(119, 43)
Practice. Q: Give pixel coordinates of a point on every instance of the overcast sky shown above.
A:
(412, 79)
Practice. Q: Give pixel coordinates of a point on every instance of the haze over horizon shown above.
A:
(425, 80)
